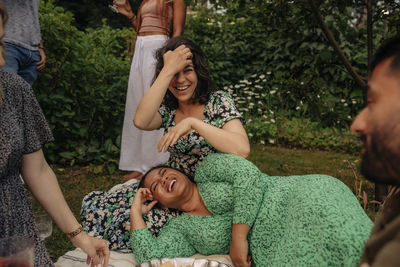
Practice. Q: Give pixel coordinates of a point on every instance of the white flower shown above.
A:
(271, 112)
(349, 117)
(272, 92)
(318, 96)
(265, 117)
(260, 102)
(297, 108)
(353, 101)
(268, 73)
(272, 120)
(264, 80)
(262, 76)
(257, 81)
(262, 142)
(271, 141)
(250, 135)
(345, 104)
(258, 86)
(259, 110)
(249, 97)
(254, 75)
(342, 100)
(301, 83)
(237, 86)
(249, 120)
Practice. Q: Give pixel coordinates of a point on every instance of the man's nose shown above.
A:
(359, 123)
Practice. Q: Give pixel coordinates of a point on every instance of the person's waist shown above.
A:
(33, 47)
(152, 33)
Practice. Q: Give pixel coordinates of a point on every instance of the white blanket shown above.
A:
(77, 258)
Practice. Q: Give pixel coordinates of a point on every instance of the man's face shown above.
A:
(378, 125)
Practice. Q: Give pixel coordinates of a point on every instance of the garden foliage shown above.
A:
(273, 58)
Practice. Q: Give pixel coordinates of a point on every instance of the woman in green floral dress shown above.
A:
(233, 208)
(198, 120)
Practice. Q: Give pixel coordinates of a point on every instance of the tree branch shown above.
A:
(334, 44)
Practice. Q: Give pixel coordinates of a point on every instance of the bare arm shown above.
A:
(138, 208)
(179, 17)
(44, 185)
(231, 138)
(126, 10)
(147, 116)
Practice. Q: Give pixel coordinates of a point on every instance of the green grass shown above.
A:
(78, 181)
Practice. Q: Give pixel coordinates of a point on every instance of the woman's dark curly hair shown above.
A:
(205, 86)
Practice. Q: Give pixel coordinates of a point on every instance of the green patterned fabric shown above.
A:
(311, 220)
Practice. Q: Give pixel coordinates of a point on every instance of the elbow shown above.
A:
(139, 124)
(245, 152)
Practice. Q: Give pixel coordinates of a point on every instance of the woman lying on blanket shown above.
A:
(233, 208)
(198, 120)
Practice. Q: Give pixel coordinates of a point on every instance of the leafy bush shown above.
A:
(82, 89)
(284, 76)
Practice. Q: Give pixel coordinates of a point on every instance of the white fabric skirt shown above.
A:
(139, 148)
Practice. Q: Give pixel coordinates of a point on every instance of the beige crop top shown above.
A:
(156, 16)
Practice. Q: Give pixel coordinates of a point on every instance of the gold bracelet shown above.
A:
(75, 232)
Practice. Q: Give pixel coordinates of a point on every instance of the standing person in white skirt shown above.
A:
(155, 22)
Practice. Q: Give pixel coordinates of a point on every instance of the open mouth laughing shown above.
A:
(171, 185)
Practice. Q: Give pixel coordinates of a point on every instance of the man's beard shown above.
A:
(381, 159)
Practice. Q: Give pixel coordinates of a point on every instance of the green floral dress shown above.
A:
(106, 214)
(311, 220)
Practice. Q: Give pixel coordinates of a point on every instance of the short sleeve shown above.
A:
(221, 109)
(165, 116)
(36, 130)
(244, 178)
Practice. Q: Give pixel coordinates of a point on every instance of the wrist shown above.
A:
(77, 231)
(131, 16)
(167, 73)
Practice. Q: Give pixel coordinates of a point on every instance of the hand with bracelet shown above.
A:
(126, 10)
(95, 248)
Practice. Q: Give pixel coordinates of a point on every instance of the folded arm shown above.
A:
(147, 116)
(231, 138)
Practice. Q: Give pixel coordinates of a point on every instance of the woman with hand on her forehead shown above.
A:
(23, 132)
(198, 120)
(259, 220)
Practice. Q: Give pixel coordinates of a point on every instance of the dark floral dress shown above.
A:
(106, 214)
(23, 130)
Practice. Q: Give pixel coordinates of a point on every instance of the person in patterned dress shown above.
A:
(260, 220)
(198, 120)
(23, 132)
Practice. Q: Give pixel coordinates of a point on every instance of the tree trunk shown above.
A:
(369, 33)
(335, 45)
